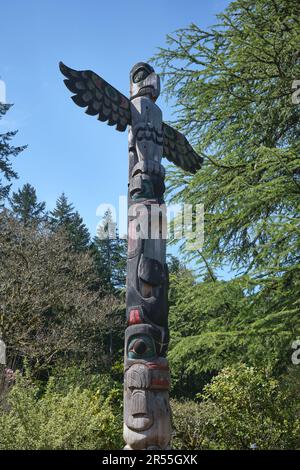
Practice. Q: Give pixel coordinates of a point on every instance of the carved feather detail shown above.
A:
(98, 96)
(177, 150)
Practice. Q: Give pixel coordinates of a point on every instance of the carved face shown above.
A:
(147, 413)
(144, 81)
(139, 415)
(142, 381)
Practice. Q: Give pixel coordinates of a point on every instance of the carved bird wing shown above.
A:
(177, 150)
(100, 98)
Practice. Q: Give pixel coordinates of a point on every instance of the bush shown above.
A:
(193, 425)
(76, 419)
(242, 408)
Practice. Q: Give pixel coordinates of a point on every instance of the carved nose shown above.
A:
(140, 417)
(138, 403)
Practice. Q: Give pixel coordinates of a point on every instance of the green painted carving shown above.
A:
(141, 347)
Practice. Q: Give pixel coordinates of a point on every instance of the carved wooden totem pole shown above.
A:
(147, 416)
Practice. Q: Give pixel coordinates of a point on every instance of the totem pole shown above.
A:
(147, 416)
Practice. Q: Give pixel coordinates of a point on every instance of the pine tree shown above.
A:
(64, 217)
(6, 152)
(79, 232)
(111, 253)
(62, 213)
(25, 207)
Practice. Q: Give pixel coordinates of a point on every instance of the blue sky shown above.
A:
(68, 150)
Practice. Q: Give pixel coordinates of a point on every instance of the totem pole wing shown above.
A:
(100, 98)
(177, 150)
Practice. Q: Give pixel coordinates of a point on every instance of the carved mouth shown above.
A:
(140, 422)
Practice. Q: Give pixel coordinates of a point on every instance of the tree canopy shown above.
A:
(64, 217)
(111, 252)
(233, 86)
(25, 206)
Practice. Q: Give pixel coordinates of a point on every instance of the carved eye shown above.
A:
(141, 347)
(140, 75)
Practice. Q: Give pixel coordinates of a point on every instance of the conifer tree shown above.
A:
(62, 213)
(64, 217)
(111, 252)
(7, 174)
(237, 102)
(25, 206)
(79, 232)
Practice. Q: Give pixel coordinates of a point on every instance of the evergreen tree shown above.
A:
(236, 104)
(80, 232)
(62, 213)
(205, 322)
(111, 253)
(25, 207)
(64, 217)
(6, 152)
(175, 265)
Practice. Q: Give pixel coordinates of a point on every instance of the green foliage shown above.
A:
(108, 385)
(175, 265)
(233, 89)
(77, 419)
(242, 408)
(253, 409)
(192, 423)
(6, 152)
(216, 327)
(25, 206)
(206, 335)
(62, 213)
(110, 253)
(236, 104)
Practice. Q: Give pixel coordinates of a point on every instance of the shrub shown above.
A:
(242, 408)
(193, 425)
(76, 419)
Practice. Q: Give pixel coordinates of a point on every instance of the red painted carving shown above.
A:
(134, 317)
(158, 366)
(161, 383)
